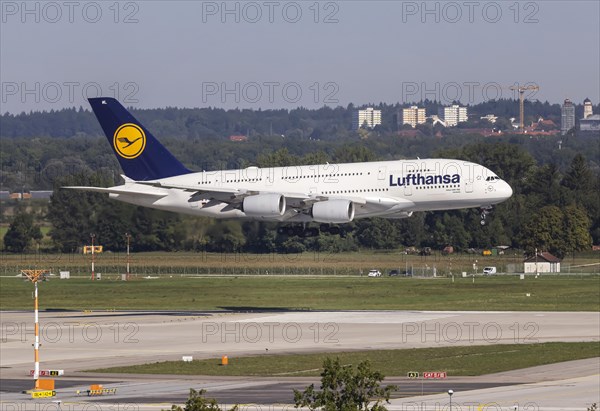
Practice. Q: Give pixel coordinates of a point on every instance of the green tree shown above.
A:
(73, 214)
(544, 231)
(559, 231)
(578, 177)
(353, 154)
(576, 230)
(197, 402)
(225, 236)
(346, 388)
(21, 232)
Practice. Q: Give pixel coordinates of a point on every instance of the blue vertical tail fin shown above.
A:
(141, 155)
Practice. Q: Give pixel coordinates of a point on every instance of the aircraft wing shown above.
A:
(235, 196)
(226, 195)
(118, 190)
(301, 202)
(297, 200)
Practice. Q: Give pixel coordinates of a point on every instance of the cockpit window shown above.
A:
(492, 178)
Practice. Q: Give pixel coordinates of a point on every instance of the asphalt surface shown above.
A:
(75, 341)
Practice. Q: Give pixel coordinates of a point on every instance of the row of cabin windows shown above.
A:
(323, 176)
(430, 187)
(373, 190)
(252, 180)
(368, 190)
(245, 180)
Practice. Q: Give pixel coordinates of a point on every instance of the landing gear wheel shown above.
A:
(484, 212)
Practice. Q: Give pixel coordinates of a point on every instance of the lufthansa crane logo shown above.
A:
(129, 141)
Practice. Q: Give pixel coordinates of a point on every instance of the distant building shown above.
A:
(367, 118)
(32, 195)
(588, 109)
(412, 115)
(542, 128)
(542, 263)
(238, 138)
(567, 117)
(590, 123)
(453, 115)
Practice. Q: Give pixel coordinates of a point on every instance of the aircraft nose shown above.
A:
(507, 190)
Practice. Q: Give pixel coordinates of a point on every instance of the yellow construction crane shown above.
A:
(522, 90)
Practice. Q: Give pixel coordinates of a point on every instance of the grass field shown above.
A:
(456, 361)
(498, 293)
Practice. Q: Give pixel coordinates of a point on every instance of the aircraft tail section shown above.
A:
(141, 155)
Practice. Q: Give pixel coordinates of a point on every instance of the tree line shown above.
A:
(325, 123)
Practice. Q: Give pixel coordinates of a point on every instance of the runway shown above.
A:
(75, 341)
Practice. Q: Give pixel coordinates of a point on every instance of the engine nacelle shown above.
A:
(264, 205)
(333, 211)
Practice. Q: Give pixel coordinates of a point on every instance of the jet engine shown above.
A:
(264, 205)
(333, 211)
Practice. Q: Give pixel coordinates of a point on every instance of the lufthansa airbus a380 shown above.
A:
(323, 193)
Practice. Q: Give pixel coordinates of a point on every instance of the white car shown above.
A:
(489, 270)
(374, 273)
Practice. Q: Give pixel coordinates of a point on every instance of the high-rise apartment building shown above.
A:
(453, 115)
(368, 118)
(567, 116)
(412, 115)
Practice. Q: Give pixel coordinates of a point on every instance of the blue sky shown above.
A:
(283, 54)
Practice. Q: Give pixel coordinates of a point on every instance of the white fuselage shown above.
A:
(391, 189)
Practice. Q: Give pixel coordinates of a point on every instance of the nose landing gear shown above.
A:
(484, 213)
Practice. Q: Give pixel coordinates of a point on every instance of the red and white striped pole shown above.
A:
(36, 344)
